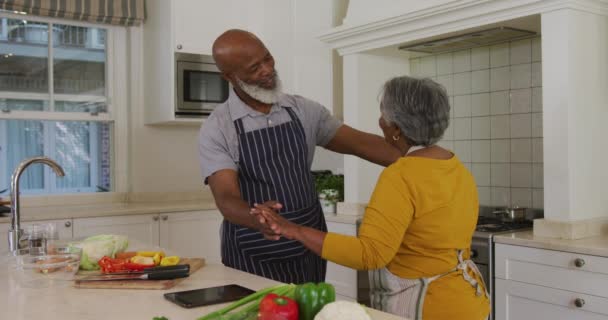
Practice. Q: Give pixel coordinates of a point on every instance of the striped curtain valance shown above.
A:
(116, 12)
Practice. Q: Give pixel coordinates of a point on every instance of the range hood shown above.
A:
(469, 40)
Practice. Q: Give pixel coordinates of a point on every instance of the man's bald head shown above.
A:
(235, 48)
(247, 64)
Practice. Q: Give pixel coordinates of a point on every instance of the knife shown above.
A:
(179, 267)
(162, 274)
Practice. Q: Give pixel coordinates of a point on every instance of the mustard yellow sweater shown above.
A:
(421, 211)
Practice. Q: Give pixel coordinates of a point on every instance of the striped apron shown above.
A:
(405, 297)
(273, 165)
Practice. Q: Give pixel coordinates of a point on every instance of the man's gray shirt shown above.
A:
(218, 143)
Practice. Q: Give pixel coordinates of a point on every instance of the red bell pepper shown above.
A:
(109, 265)
(136, 266)
(274, 307)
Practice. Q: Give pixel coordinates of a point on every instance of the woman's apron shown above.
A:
(273, 165)
(405, 297)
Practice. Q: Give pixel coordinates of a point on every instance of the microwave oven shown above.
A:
(199, 85)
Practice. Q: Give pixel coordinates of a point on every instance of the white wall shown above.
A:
(364, 75)
(575, 98)
(313, 64)
(273, 22)
(162, 159)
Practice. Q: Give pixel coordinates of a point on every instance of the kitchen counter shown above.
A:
(53, 212)
(597, 246)
(67, 303)
(343, 218)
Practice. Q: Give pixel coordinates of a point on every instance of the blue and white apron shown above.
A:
(273, 165)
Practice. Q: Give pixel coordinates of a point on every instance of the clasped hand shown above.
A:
(272, 224)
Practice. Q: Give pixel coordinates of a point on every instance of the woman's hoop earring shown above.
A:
(396, 138)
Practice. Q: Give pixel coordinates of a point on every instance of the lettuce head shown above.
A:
(96, 247)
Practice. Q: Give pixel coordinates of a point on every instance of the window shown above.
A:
(56, 100)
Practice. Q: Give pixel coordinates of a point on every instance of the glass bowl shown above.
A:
(57, 266)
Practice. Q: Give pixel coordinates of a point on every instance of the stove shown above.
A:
(482, 246)
(494, 225)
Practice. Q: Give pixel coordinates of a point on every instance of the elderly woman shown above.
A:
(417, 228)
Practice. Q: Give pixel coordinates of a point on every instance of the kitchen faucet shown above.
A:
(15, 232)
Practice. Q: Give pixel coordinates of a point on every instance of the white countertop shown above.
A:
(68, 303)
(132, 208)
(597, 246)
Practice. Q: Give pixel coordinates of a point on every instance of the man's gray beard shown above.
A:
(268, 96)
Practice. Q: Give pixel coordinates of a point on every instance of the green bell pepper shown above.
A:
(312, 297)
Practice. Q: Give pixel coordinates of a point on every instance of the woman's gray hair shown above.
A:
(419, 107)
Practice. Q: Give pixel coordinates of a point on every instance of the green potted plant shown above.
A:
(330, 189)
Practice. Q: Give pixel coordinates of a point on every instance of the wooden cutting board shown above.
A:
(195, 264)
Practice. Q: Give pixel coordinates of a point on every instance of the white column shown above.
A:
(575, 124)
(364, 75)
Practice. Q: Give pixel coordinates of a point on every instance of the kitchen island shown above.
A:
(67, 303)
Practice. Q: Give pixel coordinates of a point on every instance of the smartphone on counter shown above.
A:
(208, 296)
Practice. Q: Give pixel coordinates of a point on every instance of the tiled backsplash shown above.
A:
(496, 121)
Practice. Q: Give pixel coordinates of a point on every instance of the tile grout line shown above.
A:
(509, 139)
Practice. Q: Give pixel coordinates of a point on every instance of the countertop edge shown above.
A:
(595, 246)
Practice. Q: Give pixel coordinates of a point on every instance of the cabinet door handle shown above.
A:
(67, 224)
(579, 303)
(179, 47)
(579, 263)
(155, 218)
(165, 218)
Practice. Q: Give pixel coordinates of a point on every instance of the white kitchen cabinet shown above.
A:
(197, 23)
(143, 228)
(192, 234)
(342, 278)
(517, 300)
(63, 227)
(188, 26)
(534, 283)
(188, 234)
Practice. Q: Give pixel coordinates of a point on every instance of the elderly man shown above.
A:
(256, 150)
